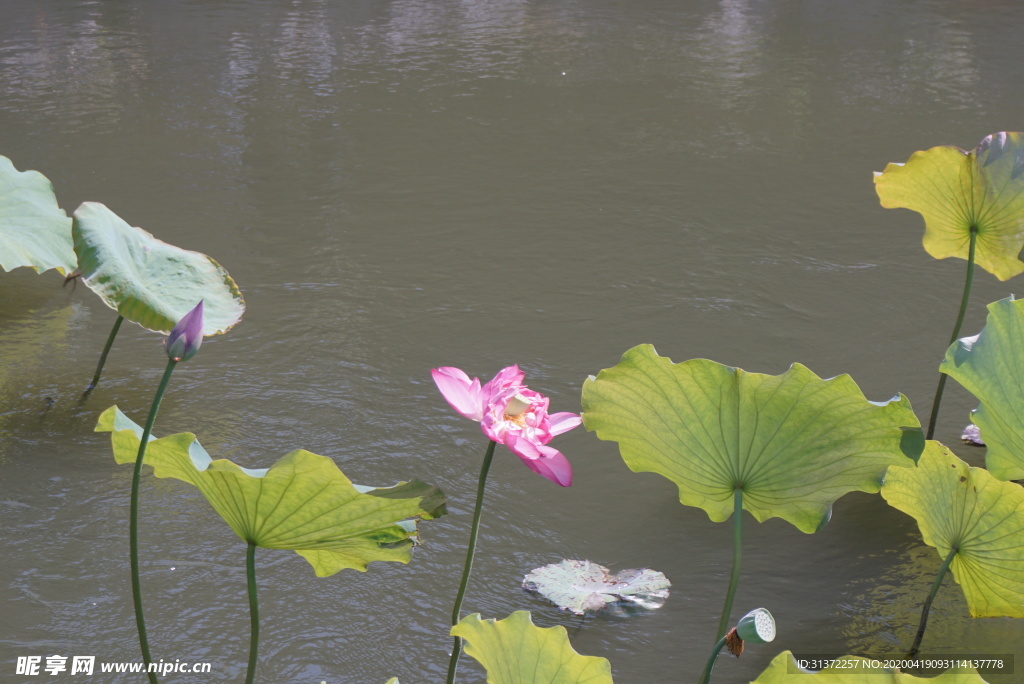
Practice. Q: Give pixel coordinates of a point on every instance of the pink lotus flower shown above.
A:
(186, 337)
(511, 414)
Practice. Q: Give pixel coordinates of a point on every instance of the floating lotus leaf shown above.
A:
(960, 507)
(579, 586)
(793, 442)
(34, 231)
(149, 281)
(956, 190)
(303, 502)
(853, 670)
(989, 366)
(515, 651)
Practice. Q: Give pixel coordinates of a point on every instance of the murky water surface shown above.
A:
(406, 184)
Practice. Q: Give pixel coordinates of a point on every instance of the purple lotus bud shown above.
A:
(184, 340)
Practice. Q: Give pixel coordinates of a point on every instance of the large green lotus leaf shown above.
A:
(989, 366)
(956, 190)
(147, 280)
(515, 651)
(957, 506)
(580, 586)
(303, 502)
(793, 442)
(34, 231)
(854, 670)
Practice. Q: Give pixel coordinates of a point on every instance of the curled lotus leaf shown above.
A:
(515, 651)
(34, 230)
(793, 443)
(302, 503)
(580, 586)
(988, 365)
(967, 509)
(148, 281)
(784, 669)
(957, 191)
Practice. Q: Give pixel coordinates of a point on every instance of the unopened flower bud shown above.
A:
(186, 337)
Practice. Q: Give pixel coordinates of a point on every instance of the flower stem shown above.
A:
(457, 647)
(133, 520)
(103, 356)
(254, 611)
(956, 330)
(737, 555)
(928, 602)
(706, 675)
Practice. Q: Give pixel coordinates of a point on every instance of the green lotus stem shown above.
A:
(103, 356)
(457, 646)
(706, 675)
(928, 601)
(254, 611)
(133, 520)
(737, 556)
(956, 330)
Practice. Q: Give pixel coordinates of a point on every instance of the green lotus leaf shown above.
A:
(302, 503)
(956, 190)
(515, 651)
(149, 281)
(854, 670)
(989, 366)
(34, 231)
(957, 506)
(580, 586)
(794, 443)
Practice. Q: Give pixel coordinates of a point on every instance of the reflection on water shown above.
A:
(883, 612)
(33, 342)
(77, 72)
(305, 48)
(730, 45)
(407, 184)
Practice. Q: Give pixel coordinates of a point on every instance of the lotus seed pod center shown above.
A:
(516, 405)
(757, 626)
(765, 625)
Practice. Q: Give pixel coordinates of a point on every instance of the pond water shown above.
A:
(406, 184)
